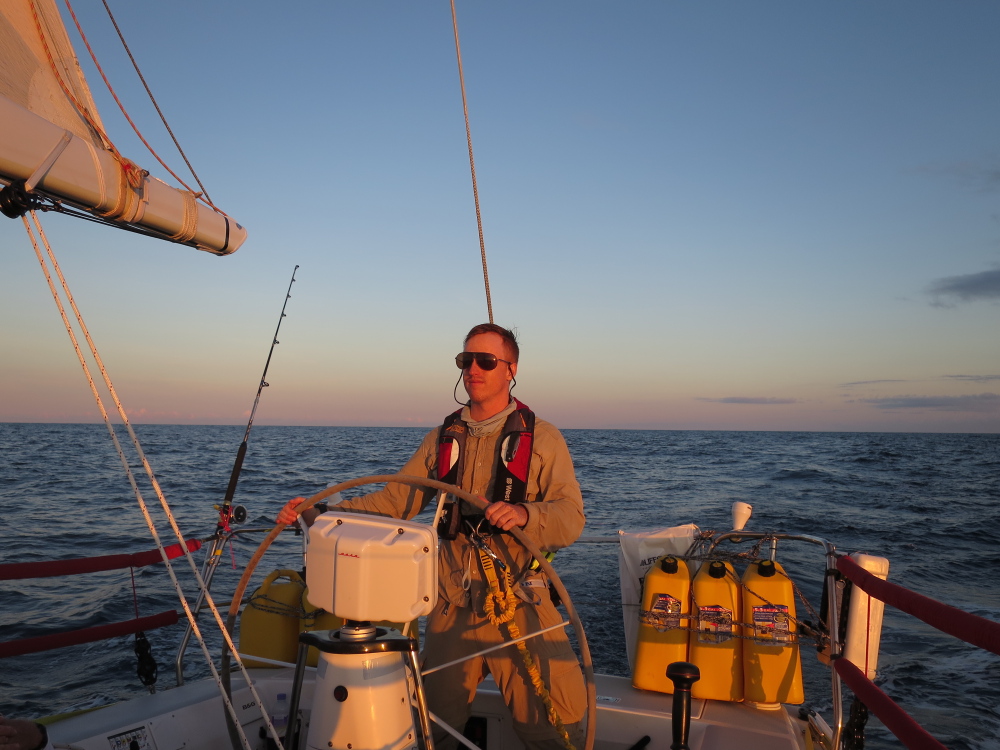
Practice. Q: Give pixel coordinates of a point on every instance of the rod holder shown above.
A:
(683, 674)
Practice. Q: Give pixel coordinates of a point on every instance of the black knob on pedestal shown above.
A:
(683, 674)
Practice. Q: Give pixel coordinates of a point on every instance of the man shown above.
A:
(497, 449)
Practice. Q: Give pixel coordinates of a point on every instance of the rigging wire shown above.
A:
(156, 105)
(135, 128)
(472, 163)
(48, 203)
(149, 471)
(133, 174)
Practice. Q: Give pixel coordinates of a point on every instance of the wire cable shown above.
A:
(203, 194)
(472, 164)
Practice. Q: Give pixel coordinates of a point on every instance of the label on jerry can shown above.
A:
(665, 612)
(770, 624)
(715, 624)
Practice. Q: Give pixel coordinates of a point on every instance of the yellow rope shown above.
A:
(500, 608)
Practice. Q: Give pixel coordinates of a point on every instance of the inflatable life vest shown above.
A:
(510, 483)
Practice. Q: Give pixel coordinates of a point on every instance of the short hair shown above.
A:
(508, 336)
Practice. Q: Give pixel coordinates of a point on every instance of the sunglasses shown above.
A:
(485, 360)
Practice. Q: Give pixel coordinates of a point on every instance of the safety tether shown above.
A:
(501, 605)
(145, 463)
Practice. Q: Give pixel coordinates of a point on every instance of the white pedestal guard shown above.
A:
(364, 568)
(361, 700)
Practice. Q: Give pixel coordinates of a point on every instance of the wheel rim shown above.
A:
(585, 659)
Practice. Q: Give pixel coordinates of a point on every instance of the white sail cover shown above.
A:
(52, 137)
(637, 552)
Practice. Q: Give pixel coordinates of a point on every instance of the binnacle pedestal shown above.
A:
(368, 568)
(360, 699)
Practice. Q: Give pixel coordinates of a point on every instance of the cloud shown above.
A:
(982, 402)
(982, 177)
(974, 378)
(749, 400)
(967, 288)
(964, 378)
(869, 382)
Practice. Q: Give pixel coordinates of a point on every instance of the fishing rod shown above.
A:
(226, 512)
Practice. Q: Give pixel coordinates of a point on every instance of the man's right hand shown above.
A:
(287, 515)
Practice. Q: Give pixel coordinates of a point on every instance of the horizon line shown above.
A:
(561, 429)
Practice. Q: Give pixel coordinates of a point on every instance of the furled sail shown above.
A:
(52, 141)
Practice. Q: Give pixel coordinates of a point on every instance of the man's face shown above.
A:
(484, 386)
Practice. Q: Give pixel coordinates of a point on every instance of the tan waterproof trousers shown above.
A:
(453, 632)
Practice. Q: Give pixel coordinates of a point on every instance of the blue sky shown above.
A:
(721, 215)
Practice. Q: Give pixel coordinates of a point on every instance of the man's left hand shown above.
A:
(506, 515)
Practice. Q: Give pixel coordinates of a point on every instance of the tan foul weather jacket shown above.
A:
(553, 502)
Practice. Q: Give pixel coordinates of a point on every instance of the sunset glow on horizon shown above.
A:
(724, 217)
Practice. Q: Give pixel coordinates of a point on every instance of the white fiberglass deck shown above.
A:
(191, 718)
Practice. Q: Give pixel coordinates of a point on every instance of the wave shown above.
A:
(930, 503)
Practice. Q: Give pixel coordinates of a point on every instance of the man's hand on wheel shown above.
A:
(506, 515)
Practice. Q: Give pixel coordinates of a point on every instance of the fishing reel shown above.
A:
(230, 514)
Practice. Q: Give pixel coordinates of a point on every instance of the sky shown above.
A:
(718, 215)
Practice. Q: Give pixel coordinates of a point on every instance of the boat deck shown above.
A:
(190, 718)
(625, 715)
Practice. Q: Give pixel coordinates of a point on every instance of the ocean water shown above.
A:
(929, 503)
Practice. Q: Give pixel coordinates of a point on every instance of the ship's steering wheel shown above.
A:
(586, 662)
